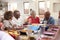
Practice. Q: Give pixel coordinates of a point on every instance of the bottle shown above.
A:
(45, 23)
(39, 33)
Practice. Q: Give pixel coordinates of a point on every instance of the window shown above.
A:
(48, 4)
(12, 6)
(26, 7)
(41, 7)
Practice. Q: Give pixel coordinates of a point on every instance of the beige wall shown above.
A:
(34, 6)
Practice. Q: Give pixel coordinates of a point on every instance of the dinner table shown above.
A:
(30, 32)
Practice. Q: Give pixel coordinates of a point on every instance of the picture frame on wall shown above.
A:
(41, 7)
(3, 6)
(26, 7)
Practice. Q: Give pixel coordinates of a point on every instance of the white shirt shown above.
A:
(8, 23)
(5, 36)
(18, 21)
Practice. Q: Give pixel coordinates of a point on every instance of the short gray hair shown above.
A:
(32, 12)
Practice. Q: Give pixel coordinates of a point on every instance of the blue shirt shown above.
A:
(49, 21)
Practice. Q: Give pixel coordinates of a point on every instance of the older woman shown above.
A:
(33, 19)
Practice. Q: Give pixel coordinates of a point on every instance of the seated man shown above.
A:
(48, 19)
(33, 19)
(17, 19)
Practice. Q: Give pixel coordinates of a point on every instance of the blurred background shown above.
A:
(24, 6)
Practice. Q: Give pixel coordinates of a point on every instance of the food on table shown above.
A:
(13, 33)
(32, 38)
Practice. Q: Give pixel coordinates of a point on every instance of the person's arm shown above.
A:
(38, 19)
(52, 21)
(27, 21)
(43, 22)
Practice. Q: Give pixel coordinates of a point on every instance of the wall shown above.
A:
(34, 6)
(54, 14)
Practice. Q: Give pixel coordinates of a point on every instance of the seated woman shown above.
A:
(8, 19)
(33, 19)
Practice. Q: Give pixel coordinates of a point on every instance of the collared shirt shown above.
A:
(18, 21)
(34, 20)
(8, 23)
(49, 21)
(5, 36)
